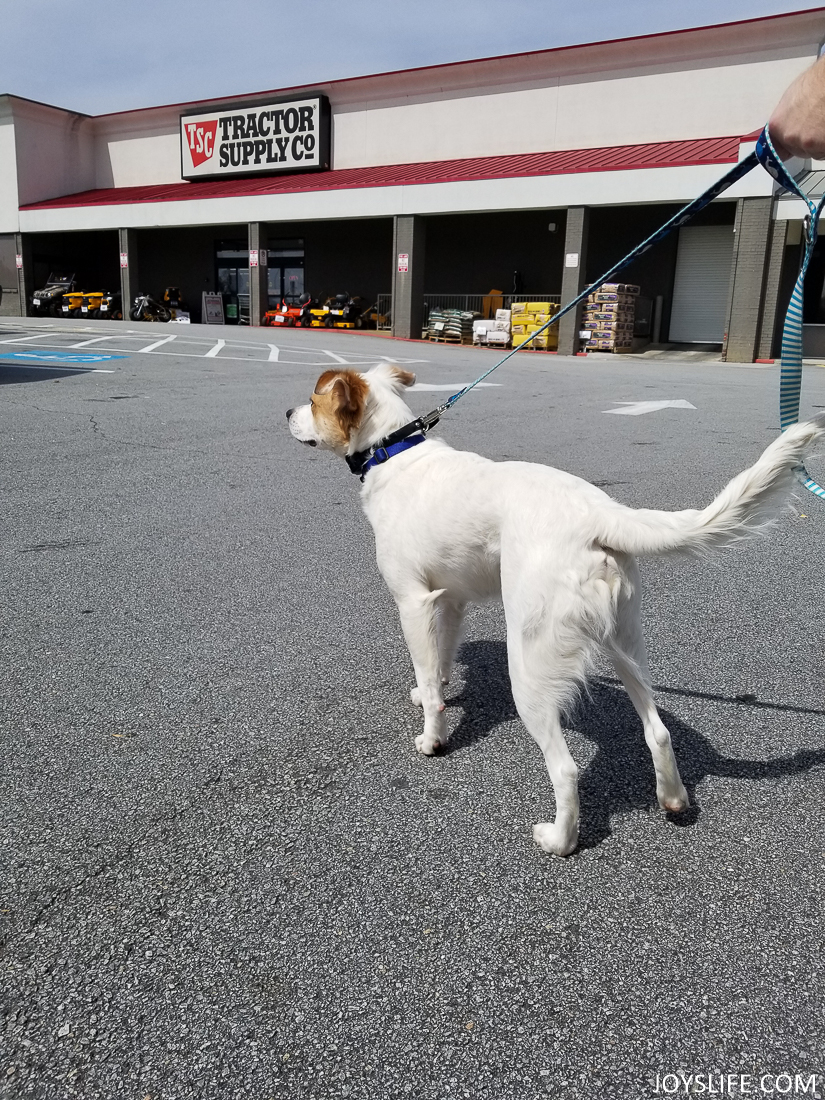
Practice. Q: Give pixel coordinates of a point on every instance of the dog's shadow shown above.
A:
(620, 776)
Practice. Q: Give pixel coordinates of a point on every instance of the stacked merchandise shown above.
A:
(455, 325)
(499, 335)
(481, 329)
(528, 317)
(609, 316)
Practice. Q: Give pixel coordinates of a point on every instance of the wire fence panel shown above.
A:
(485, 305)
(384, 310)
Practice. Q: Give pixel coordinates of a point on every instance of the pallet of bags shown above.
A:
(609, 317)
(500, 334)
(529, 317)
(453, 326)
(481, 330)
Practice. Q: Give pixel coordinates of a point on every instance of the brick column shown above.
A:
(751, 248)
(408, 240)
(129, 275)
(768, 334)
(258, 275)
(25, 274)
(573, 276)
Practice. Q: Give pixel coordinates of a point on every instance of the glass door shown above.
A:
(286, 271)
(232, 263)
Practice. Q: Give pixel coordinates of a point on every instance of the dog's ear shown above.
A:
(405, 377)
(344, 395)
(397, 377)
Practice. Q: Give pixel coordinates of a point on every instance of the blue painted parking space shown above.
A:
(59, 357)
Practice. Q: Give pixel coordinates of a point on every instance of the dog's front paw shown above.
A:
(415, 697)
(675, 802)
(549, 837)
(427, 744)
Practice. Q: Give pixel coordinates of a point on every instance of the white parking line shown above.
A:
(214, 351)
(23, 339)
(158, 343)
(337, 358)
(95, 340)
(274, 353)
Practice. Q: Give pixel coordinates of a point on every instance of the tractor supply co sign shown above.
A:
(288, 135)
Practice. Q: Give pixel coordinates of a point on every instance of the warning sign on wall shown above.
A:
(124, 259)
(403, 261)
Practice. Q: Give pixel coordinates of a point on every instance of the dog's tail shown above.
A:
(745, 505)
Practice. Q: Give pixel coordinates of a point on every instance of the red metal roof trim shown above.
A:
(662, 154)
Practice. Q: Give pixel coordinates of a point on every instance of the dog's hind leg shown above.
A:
(627, 649)
(542, 684)
(418, 621)
(450, 618)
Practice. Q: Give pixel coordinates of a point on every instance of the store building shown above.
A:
(529, 173)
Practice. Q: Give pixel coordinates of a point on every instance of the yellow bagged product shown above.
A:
(521, 319)
(539, 307)
(518, 307)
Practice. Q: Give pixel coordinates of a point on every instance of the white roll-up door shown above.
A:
(700, 289)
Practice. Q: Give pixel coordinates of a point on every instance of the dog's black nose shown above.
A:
(289, 413)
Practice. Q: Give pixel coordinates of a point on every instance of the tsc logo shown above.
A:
(201, 137)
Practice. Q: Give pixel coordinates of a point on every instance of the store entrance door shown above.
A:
(286, 271)
(232, 263)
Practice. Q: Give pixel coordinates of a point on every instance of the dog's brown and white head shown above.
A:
(349, 411)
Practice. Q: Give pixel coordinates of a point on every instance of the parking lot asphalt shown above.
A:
(228, 874)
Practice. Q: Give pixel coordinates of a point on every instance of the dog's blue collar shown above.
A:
(382, 454)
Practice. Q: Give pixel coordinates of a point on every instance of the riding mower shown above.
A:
(91, 302)
(371, 317)
(50, 298)
(292, 314)
(344, 312)
(72, 303)
(318, 314)
(111, 307)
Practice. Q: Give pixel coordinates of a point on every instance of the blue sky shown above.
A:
(99, 56)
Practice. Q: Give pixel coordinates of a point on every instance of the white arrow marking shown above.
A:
(639, 408)
(274, 353)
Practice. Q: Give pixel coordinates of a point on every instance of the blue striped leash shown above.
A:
(790, 385)
(791, 374)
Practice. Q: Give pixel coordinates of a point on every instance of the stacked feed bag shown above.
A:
(528, 317)
(500, 334)
(609, 317)
(455, 325)
(481, 330)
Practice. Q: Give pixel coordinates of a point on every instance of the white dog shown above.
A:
(452, 527)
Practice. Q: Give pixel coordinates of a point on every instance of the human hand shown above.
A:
(797, 125)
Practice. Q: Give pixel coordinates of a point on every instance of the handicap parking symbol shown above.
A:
(59, 357)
